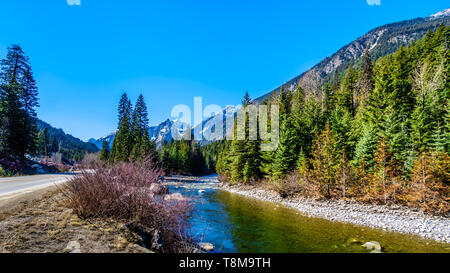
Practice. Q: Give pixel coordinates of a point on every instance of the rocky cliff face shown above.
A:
(380, 41)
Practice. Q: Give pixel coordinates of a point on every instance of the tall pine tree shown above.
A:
(123, 142)
(18, 100)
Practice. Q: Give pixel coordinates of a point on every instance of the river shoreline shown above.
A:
(390, 218)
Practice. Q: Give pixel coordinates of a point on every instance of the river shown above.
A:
(237, 224)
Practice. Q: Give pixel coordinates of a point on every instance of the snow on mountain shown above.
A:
(208, 125)
(440, 14)
(381, 41)
(99, 142)
(163, 132)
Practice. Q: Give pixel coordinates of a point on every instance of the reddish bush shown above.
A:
(429, 188)
(289, 186)
(125, 192)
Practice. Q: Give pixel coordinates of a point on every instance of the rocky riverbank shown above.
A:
(393, 218)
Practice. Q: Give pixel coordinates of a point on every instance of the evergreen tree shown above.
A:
(164, 157)
(284, 103)
(366, 78)
(123, 142)
(43, 142)
(104, 153)
(18, 100)
(237, 154)
(365, 148)
(253, 161)
(340, 120)
(246, 158)
(391, 118)
(325, 161)
(267, 157)
(311, 124)
(427, 81)
(380, 185)
(142, 146)
(246, 100)
(378, 100)
(346, 96)
(401, 96)
(286, 156)
(344, 175)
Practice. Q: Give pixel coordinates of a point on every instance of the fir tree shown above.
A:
(347, 93)
(139, 131)
(284, 103)
(246, 100)
(18, 100)
(325, 161)
(123, 142)
(365, 148)
(426, 82)
(43, 142)
(104, 153)
(267, 157)
(286, 156)
(245, 153)
(340, 120)
(381, 187)
(366, 78)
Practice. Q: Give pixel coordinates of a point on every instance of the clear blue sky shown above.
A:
(85, 56)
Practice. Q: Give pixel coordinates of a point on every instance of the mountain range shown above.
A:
(380, 41)
(72, 148)
(163, 132)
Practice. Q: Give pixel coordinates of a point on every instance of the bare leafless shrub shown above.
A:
(289, 186)
(57, 158)
(124, 192)
(297, 184)
(90, 160)
(223, 179)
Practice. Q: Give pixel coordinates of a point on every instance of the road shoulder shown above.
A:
(12, 202)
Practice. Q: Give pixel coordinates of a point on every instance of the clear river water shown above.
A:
(237, 224)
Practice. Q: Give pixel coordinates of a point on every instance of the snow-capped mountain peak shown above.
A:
(442, 13)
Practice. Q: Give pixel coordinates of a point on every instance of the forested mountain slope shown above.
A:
(381, 41)
(52, 140)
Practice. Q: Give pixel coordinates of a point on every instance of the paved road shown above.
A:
(13, 186)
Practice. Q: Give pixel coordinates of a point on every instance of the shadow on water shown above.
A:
(236, 224)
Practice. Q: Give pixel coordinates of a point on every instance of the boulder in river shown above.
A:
(373, 245)
(207, 246)
(175, 197)
(159, 189)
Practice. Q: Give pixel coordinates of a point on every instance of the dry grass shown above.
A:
(47, 225)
